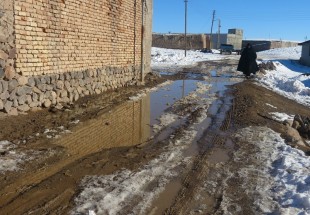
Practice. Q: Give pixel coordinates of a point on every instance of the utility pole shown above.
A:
(185, 36)
(213, 16)
(219, 34)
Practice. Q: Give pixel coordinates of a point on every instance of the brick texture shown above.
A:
(58, 36)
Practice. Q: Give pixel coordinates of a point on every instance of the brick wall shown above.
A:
(56, 36)
(65, 49)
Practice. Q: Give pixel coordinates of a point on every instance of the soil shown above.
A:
(48, 183)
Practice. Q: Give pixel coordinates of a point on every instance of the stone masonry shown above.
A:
(55, 51)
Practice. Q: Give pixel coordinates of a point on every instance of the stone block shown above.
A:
(2, 74)
(23, 108)
(9, 72)
(67, 84)
(15, 103)
(21, 91)
(31, 82)
(37, 80)
(36, 90)
(63, 93)
(35, 97)
(8, 106)
(13, 112)
(12, 84)
(47, 103)
(22, 80)
(60, 85)
(28, 99)
(3, 55)
(76, 96)
(42, 87)
(13, 95)
(5, 95)
(22, 99)
(34, 104)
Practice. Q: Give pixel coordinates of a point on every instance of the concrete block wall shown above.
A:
(59, 42)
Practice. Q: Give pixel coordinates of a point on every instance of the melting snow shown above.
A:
(281, 116)
(285, 171)
(111, 194)
(9, 158)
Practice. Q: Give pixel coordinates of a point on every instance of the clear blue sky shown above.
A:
(261, 19)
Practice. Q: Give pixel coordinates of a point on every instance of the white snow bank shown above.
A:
(285, 188)
(280, 53)
(287, 82)
(175, 58)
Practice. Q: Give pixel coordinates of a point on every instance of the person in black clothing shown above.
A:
(247, 63)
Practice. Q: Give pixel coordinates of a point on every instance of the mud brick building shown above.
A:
(56, 51)
(177, 41)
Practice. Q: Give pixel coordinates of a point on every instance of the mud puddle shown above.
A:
(204, 141)
(178, 113)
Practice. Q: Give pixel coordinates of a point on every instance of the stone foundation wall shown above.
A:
(23, 93)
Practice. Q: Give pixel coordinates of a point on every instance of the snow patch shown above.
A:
(112, 194)
(164, 121)
(137, 97)
(271, 106)
(174, 59)
(280, 117)
(10, 159)
(284, 187)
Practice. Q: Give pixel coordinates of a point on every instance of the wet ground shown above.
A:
(167, 148)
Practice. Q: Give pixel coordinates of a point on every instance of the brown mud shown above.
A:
(49, 183)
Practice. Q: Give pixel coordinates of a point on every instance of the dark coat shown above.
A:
(247, 63)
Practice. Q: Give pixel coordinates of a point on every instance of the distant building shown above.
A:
(233, 37)
(305, 53)
(262, 45)
(177, 41)
(198, 41)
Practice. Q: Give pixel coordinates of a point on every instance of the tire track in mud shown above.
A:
(195, 177)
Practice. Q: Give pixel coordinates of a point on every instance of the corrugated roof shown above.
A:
(308, 41)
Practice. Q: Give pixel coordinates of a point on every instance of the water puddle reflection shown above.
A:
(166, 198)
(218, 155)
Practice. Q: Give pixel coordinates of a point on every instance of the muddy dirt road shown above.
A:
(171, 147)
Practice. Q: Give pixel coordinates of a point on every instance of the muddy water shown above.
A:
(133, 123)
(216, 115)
